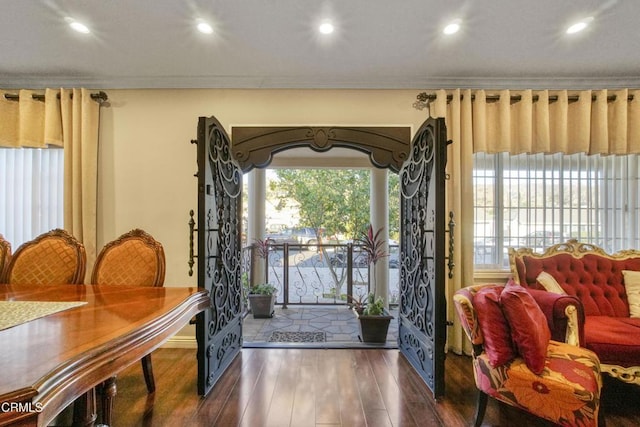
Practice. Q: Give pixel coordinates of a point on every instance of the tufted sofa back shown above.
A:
(583, 270)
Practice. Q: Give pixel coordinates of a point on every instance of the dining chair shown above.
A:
(133, 259)
(54, 257)
(5, 256)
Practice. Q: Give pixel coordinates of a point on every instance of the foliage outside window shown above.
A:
(540, 200)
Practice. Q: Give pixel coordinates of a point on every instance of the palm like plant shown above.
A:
(262, 248)
(373, 246)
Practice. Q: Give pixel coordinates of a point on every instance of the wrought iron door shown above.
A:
(218, 329)
(422, 313)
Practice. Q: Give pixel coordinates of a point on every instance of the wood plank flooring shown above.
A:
(319, 387)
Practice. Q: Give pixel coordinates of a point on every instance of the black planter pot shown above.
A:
(374, 328)
(262, 306)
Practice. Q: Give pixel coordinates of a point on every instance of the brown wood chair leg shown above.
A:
(84, 409)
(481, 407)
(147, 369)
(109, 390)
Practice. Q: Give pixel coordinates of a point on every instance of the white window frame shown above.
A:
(553, 198)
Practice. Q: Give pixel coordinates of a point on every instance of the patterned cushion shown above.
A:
(133, 259)
(130, 263)
(5, 256)
(54, 257)
(566, 392)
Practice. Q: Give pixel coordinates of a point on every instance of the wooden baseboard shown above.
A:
(181, 341)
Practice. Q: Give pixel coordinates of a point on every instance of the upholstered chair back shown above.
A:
(134, 259)
(5, 256)
(55, 257)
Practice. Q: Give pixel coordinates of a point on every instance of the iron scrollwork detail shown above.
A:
(422, 254)
(223, 236)
(418, 219)
(219, 329)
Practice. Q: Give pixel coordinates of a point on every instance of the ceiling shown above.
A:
(275, 44)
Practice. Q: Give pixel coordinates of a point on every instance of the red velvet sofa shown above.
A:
(600, 321)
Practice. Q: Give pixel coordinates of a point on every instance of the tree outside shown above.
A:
(335, 201)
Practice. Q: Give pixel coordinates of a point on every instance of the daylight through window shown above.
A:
(31, 192)
(543, 199)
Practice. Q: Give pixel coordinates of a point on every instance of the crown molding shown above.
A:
(12, 81)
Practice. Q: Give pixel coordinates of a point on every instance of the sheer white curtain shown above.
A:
(31, 192)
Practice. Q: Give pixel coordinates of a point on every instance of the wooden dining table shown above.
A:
(49, 362)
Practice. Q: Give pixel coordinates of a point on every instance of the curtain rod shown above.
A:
(428, 97)
(99, 97)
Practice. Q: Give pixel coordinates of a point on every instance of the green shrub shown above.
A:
(263, 289)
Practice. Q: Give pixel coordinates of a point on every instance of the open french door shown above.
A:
(219, 328)
(422, 312)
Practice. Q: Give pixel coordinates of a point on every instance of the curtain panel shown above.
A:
(459, 200)
(68, 118)
(526, 121)
(522, 121)
(30, 122)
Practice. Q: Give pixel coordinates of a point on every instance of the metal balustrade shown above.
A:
(319, 274)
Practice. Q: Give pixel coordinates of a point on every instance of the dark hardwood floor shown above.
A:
(317, 387)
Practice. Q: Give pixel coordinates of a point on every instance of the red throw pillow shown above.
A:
(529, 328)
(494, 327)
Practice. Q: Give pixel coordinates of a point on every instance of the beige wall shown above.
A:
(147, 163)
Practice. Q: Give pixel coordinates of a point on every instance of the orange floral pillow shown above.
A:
(529, 329)
(494, 327)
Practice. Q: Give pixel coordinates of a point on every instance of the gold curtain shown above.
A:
(459, 120)
(80, 122)
(30, 122)
(525, 121)
(588, 121)
(70, 121)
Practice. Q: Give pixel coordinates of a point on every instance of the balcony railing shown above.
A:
(326, 274)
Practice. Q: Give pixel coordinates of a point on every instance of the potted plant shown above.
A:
(374, 319)
(262, 296)
(262, 299)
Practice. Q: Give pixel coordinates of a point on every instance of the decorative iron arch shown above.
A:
(254, 146)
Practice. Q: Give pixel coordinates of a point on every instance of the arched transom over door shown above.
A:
(387, 147)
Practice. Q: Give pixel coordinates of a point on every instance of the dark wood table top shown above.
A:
(50, 361)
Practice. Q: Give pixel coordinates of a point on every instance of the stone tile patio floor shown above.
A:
(338, 322)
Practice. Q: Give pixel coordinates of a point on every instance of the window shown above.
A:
(31, 192)
(542, 199)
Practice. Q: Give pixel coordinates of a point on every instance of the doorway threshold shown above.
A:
(338, 325)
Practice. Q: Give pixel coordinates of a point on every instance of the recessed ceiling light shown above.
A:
(79, 27)
(204, 27)
(452, 28)
(326, 28)
(579, 26)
